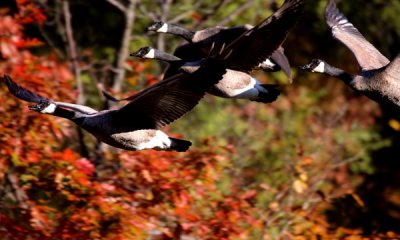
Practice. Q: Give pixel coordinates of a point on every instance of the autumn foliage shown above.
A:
(50, 189)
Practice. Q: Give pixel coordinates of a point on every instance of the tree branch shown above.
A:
(124, 48)
(211, 13)
(117, 4)
(72, 53)
(165, 6)
(73, 59)
(236, 12)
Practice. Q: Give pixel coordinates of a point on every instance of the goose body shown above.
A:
(378, 78)
(107, 126)
(234, 84)
(136, 125)
(200, 41)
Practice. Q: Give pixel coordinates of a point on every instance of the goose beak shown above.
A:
(151, 28)
(306, 67)
(35, 108)
(312, 65)
(134, 54)
(41, 106)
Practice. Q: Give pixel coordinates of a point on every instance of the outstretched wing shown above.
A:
(258, 43)
(171, 98)
(22, 93)
(279, 57)
(29, 96)
(367, 55)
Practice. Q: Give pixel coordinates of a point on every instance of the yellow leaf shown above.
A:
(358, 200)
(299, 186)
(393, 123)
(303, 177)
(307, 161)
(149, 195)
(274, 206)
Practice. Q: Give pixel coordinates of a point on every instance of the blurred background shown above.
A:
(321, 162)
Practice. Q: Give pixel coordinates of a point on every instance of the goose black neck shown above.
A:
(180, 31)
(160, 55)
(68, 114)
(339, 73)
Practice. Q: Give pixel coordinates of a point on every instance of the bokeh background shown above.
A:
(321, 162)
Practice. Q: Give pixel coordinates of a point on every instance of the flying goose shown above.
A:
(136, 125)
(237, 82)
(200, 42)
(378, 78)
(234, 84)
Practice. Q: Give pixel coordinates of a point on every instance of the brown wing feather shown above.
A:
(171, 98)
(261, 41)
(279, 57)
(367, 55)
(22, 93)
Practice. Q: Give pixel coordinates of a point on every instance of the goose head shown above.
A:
(144, 52)
(316, 65)
(44, 107)
(158, 27)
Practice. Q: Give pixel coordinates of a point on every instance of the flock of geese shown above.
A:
(219, 61)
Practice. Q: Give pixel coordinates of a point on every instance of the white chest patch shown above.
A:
(49, 109)
(247, 92)
(151, 54)
(163, 28)
(320, 68)
(159, 141)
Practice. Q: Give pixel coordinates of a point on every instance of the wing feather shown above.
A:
(368, 57)
(22, 93)
(170, 99)
(29, 96)
(261, 41)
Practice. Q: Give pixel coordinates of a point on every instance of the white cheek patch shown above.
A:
(267, 62)
(49, 109)
(163, 28)
(320, 68)
(150, 54)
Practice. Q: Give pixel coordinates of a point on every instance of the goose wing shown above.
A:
(198, 50)
(260, 42)
(22, 93)
(368, 57)
(168, 100)
(29, 96)
(392, 70)
(216, 35)
(279, 57)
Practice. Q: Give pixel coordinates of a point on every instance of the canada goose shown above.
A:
(234, 84)
(202, 40)
(237, 82)
(378, 78)
(135, 125)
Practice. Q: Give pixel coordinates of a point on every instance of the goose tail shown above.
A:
(179, 145)
(267, 93)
